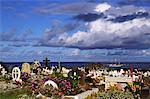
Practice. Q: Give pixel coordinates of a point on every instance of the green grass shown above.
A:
(16, 94)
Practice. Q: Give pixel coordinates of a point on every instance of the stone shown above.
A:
(16, 73)
(26, 68)
(36, 64)
(47, 71)
(52, 83)
(83, 95)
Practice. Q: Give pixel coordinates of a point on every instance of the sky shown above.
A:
(75, 30)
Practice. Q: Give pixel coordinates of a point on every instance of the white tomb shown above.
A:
(16, 73)
(52, 83)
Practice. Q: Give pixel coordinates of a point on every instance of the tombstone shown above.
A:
(16, 73)
(145, 74)
(3, 71)
(115, 73)
(36, 64)
(26, 68)
(47, 71)
(52, 83)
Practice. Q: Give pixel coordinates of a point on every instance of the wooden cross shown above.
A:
(46, 61)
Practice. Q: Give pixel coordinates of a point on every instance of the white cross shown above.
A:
(16, 73)
(3, 71)
(1, 66)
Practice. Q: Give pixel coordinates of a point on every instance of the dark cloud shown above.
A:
(130, 17)
(89, 17)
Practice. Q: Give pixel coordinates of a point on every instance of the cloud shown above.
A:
(106, 34)
(125, 10)
(102, 7)
(133, 52)
(68, 8)
(12, 35)
(106, 27)
(134, 2)
(130, 17)
(89, 17)
(57, 33)
(75, 52)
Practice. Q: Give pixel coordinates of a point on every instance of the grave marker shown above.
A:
(16, 73)
(26, 68)
(3, 72)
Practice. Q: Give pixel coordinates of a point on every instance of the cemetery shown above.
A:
(34, 81)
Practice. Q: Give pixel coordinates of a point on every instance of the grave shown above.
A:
(51, 83)
(3, 71)
(26, 68)
(83, 95)
(16, 73)
(36, 67)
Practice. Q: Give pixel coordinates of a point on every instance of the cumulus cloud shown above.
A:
(107, 34)
(121, 28)
(102, 7)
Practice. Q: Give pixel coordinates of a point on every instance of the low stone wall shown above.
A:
(83, 95)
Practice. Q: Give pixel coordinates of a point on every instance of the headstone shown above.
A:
(36, 64)
(115, 73)
(26, 68)
(47, 71)
(3, 71)
(16, 73)
(52, 83)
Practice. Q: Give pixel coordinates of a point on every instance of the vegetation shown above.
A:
(95, 66)
(7, 79)
(147, 81)
(115, 94)
(17, 94)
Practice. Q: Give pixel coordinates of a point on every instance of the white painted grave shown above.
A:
(47, 71)
(83, 95)
(16, 73)
(52, 83)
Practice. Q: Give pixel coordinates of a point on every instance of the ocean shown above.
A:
(137, 65)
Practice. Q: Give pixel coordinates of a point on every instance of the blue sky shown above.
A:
(75, 30)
